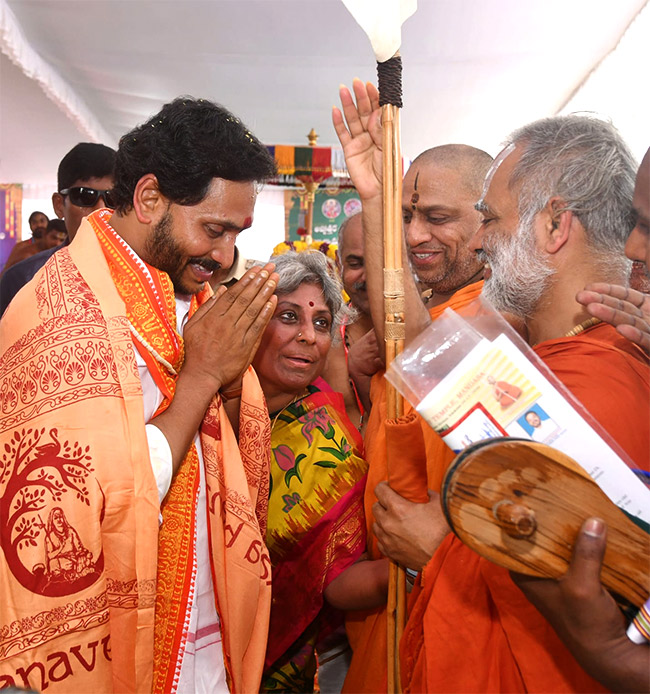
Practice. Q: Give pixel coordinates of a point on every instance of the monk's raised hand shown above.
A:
(367, 98)
(626, 309)
(358, 128)
(223, 335)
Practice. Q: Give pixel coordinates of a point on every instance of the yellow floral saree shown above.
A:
(316, 529)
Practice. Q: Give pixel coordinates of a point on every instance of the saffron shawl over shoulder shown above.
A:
(470, 628)
(315, 529)
(80, 529)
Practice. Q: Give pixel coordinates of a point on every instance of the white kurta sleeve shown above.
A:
(161, 459)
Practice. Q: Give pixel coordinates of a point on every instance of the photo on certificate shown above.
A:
(538, 425)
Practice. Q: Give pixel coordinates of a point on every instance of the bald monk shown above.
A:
(355, 358)
(439, 192)
(470, 629)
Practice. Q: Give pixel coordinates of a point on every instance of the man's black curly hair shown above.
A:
(186, 145)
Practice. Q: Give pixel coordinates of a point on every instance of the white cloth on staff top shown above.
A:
(382, 21)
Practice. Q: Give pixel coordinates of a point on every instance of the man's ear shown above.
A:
(557, 224)
(148, 202)
(57, 204)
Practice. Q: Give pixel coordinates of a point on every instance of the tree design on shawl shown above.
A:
(37, 471)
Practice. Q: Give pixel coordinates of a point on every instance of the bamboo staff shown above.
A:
(382, 21)
(389, 74)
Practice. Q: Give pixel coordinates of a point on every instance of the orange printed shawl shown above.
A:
(79, 500)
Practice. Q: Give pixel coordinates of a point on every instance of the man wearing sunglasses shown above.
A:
(85, 178)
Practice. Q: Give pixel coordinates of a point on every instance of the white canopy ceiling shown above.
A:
(74, 70)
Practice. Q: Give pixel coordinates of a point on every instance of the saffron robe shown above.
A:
(73, 438)
(411, 442)
(470, 629)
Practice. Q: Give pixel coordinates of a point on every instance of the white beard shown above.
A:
(521, 275)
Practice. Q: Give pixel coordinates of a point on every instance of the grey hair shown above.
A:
(312, 267)
(341, 234)
(585, 161)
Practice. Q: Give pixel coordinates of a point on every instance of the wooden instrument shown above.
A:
(520, 504)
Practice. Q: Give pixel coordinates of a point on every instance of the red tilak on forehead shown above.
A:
(311, 303)
(416, 196)
(247, 222)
